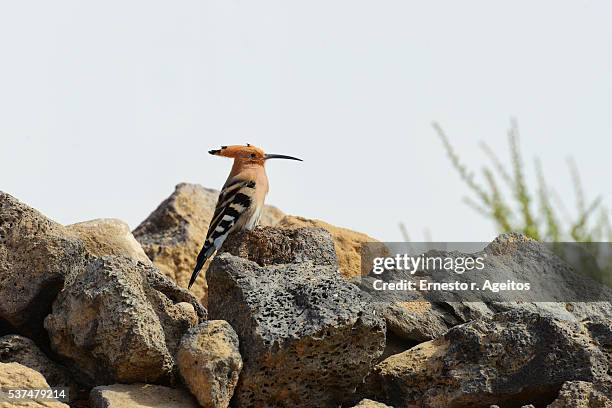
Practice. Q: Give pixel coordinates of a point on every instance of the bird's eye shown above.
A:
(253, 155)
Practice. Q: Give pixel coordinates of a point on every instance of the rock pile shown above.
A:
(173, 234)
(112, 325)
(513, 359)
(14, 376)
(19, 349)
(36, 255)
(307, 336)
(104, 313)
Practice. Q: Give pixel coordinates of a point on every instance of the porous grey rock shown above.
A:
(348, 244)
(140, 396)
(513, 358)
(17, 376)
(18, 349)
(108, 236)
(36, 255)
(114, 322)
(209, 362)
(274, 245)
(173, 234)
(581, 394)
(307, 337)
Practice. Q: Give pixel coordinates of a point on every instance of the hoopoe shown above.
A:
(241, 200)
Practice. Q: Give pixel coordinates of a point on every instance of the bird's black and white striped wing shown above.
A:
(234, 202)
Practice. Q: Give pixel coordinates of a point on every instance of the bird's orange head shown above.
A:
(248, 154)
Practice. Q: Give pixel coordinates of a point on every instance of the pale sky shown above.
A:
(105, 106)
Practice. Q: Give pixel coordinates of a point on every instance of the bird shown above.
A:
(241, 199)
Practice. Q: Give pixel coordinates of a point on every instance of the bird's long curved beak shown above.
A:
(281, 156)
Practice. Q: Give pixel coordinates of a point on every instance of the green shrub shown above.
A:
(529, 210)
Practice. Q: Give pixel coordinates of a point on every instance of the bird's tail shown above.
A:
(205, 253)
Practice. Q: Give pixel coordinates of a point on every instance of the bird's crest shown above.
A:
(247, 152)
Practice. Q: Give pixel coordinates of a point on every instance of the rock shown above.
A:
(580, 394)
(418, 321)
(173, 234)
(410, 319)
(17, 376)
(209, 362)
(411, 323)
(511, 359)
(347, 242)
(414, 317)
(188, 312)
(140, 396)
(18, 349)
(270, 216)
(366, 403)
(178, 295)
(514, 256)
(307, 337)
(36, 254)
(109, 236)
(408, 322)
(274, 245)
(120, 321)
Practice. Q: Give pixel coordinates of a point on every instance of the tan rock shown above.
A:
(209, 362)
(17, 376)
(173, 234)
(36, 254)
(187, 312)
(581, 394)
(367, 403)
(346, 242)
(109, 236)
(19, 349)
(140, 396)
(117, 321)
